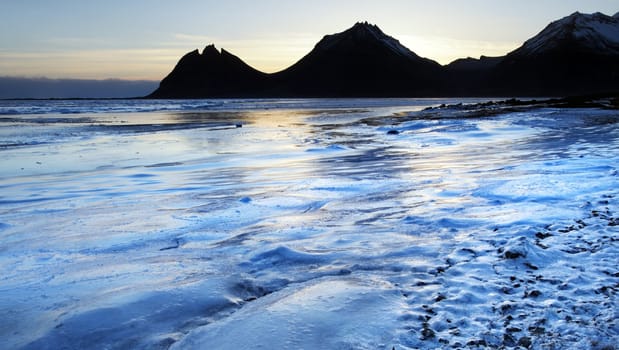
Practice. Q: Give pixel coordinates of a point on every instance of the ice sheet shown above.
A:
(308, 224)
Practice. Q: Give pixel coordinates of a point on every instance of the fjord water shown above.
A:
(304, 224)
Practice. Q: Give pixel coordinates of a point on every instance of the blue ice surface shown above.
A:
(151, 224)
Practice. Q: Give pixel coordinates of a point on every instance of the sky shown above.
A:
(143, 39)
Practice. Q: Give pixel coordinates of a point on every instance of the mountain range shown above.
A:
(578, 54)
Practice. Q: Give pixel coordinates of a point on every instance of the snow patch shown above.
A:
(596, 31)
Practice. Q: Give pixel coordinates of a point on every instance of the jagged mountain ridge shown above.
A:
(211, 73)
(576, 54)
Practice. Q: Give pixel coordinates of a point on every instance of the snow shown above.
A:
(596, 31)
(599, 30)
(389, 41)
(365, 30)
(309, 227)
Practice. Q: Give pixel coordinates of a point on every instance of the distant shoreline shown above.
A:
(607, 100)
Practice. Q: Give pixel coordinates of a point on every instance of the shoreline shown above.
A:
(572, 101)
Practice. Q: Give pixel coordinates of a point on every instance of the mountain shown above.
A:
(578, 54)
(470, 76)
(590, 33)
(210, 74)
(474, 64)
(361, 61)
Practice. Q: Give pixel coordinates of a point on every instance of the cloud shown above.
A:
(131, 64)
(18, 87)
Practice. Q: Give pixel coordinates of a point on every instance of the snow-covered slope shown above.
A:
(364, 32)
(597, 32)
(576, 55)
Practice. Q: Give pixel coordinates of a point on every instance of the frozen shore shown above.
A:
(304, 224)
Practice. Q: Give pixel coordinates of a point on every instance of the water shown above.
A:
(306, 224)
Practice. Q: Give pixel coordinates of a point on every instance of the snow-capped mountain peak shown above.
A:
(364, 31)
(595, 31)
(378, 34)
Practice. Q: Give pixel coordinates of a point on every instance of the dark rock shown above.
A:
(478, 342)
(525, 342)
(537, 330)
(534, 293)
(531, 266)
(427, 333)
(542, 235)
(509, 340)
(393, 132)
(505, 308)
(512, 255)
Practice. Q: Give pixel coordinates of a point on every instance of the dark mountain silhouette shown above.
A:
(470, 76)
(361, 61)
(578, 54)
(211, 74)
(473, 64)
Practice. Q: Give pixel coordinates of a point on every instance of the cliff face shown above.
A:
(578, 54)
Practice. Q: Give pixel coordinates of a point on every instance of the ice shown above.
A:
(47, 110)
(309, 227)
(322, 314)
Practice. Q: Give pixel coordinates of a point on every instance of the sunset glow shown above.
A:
(144, 39)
